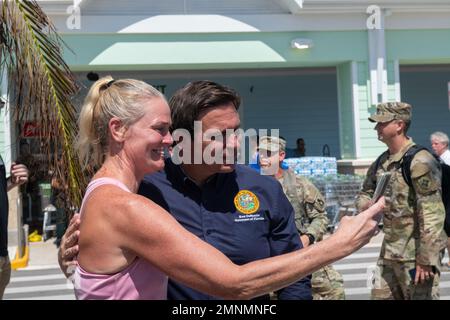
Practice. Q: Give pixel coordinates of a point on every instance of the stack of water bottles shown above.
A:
(338, 190)
(313, 166)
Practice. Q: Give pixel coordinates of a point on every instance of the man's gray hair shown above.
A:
(440, 136)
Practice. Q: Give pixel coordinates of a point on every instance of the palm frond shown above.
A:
(42, 85)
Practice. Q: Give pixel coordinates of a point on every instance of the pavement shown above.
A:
(375, 241)
(42, 253)
(41, 279)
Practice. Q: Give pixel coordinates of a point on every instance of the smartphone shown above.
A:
(382, 184)
(380, 189)
(412, 274)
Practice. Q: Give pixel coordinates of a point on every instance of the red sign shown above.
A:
(30, 129)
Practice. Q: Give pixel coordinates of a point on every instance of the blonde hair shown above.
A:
(106, 99)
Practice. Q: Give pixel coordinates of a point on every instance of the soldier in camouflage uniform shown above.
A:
(310, 216)
(408, 266)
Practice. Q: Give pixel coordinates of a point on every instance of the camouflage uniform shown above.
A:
(310, 218)
(413, 218)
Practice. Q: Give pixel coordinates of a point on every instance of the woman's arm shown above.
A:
(153, 234)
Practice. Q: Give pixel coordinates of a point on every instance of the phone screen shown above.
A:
(412, 274)
(382, 184)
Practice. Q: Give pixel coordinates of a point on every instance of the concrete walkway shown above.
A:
(43, 253)
(42, 278)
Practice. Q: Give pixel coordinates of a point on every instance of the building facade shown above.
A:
(313, 69)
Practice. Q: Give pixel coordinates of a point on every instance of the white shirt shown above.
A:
(446, 157)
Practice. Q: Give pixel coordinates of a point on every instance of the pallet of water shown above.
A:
(313, 166)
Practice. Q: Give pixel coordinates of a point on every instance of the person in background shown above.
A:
(298, 152)
(408, 267)
(31, 197)
(254, 156)
(439, 144)
(59, 192)
(310, 215)
(19, 176)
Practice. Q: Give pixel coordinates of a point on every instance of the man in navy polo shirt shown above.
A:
(232, 207)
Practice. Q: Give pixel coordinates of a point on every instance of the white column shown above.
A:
(294, 6)
(8, 154)
(377, 61)
(355, 107)
(398, 93)
(7, 148)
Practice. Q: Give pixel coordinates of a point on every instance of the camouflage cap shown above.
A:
(389, 111)
(273, 144)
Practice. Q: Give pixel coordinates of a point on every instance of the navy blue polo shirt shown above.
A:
(210, 212)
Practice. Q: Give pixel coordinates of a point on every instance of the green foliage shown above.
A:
(41, 86)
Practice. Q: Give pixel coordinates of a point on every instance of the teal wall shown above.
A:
(116, 52)
(211, 51)
(370, 146)
(302, 105)
(409, 47)
(235, 51)
(391, 80)
(426, 91)
(418, 46)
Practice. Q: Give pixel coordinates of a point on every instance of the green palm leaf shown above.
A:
(41, 87)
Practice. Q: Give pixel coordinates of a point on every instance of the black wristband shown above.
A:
(311, 238)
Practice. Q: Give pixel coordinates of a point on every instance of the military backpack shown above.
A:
(406, 173)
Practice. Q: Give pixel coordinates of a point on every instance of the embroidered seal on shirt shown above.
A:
(246, 202)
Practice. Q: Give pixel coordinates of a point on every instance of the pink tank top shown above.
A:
(138, 281)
